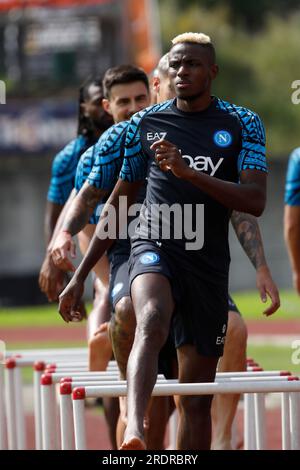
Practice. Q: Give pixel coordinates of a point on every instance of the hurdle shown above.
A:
(81, 380)
(12, 416)
(240, 386)
(75, 367)
(49, 411)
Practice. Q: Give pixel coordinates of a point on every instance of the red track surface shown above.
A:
(78, 333)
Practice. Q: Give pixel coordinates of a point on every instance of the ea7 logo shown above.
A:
(201, 163)
(156, 135)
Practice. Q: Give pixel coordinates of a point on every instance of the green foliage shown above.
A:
(256, 70)
(248, 15)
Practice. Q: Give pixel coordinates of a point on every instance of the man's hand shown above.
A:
(70, 301)
(62, 245)
(168, 157)
(267, 287)
(51, 279)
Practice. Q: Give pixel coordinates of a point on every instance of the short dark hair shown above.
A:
(123, 74)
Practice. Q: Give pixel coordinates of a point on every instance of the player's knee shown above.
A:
(152, 326)
(98, 343)
(237, 332)
(124, 314)
(192, 406)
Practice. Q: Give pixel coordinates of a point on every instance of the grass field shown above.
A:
(273, 357)
(249, 304)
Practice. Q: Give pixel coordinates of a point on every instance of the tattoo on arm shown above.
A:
(82, 208)
(248, 233)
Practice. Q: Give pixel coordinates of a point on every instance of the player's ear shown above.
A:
(106, 106)
(214, 70)
(156, 84)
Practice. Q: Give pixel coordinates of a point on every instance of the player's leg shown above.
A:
(194, 427)
(99, 344)
(122, 327)
(161, 408)
(234, 359)
(100, 349)
(122, 330)
(199, 328)
(153, 305)
(101, 307)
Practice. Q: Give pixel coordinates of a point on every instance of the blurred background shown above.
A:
(49, 47)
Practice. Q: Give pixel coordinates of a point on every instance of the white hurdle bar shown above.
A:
(48, 381)
(240, 386)
(67, 386)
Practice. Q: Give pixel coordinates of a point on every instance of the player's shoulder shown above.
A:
(295, 156)
(65, 156)
(246, 116)
(114, 130)
(139, 117)
(87, 156)
(75, 146)
(112, 137)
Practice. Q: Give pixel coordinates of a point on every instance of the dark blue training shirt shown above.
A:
(221, 141)
(100, 164)
(64, 169)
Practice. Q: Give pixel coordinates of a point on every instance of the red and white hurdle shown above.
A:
(239, 386)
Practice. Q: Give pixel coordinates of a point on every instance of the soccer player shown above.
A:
(248, 233)
(126, 92)
(215, 138)
(93, 120)
(292, 215)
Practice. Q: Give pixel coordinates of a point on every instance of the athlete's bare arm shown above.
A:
(82, 208)
(51, 216)
(70, 297)
(51, 278)
(248, 233)
(75, 220)
(248, 196)
(292, 240)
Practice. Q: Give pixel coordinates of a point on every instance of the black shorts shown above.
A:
(201, 313)
(118, 279)
(119, 288)
(232, 305)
